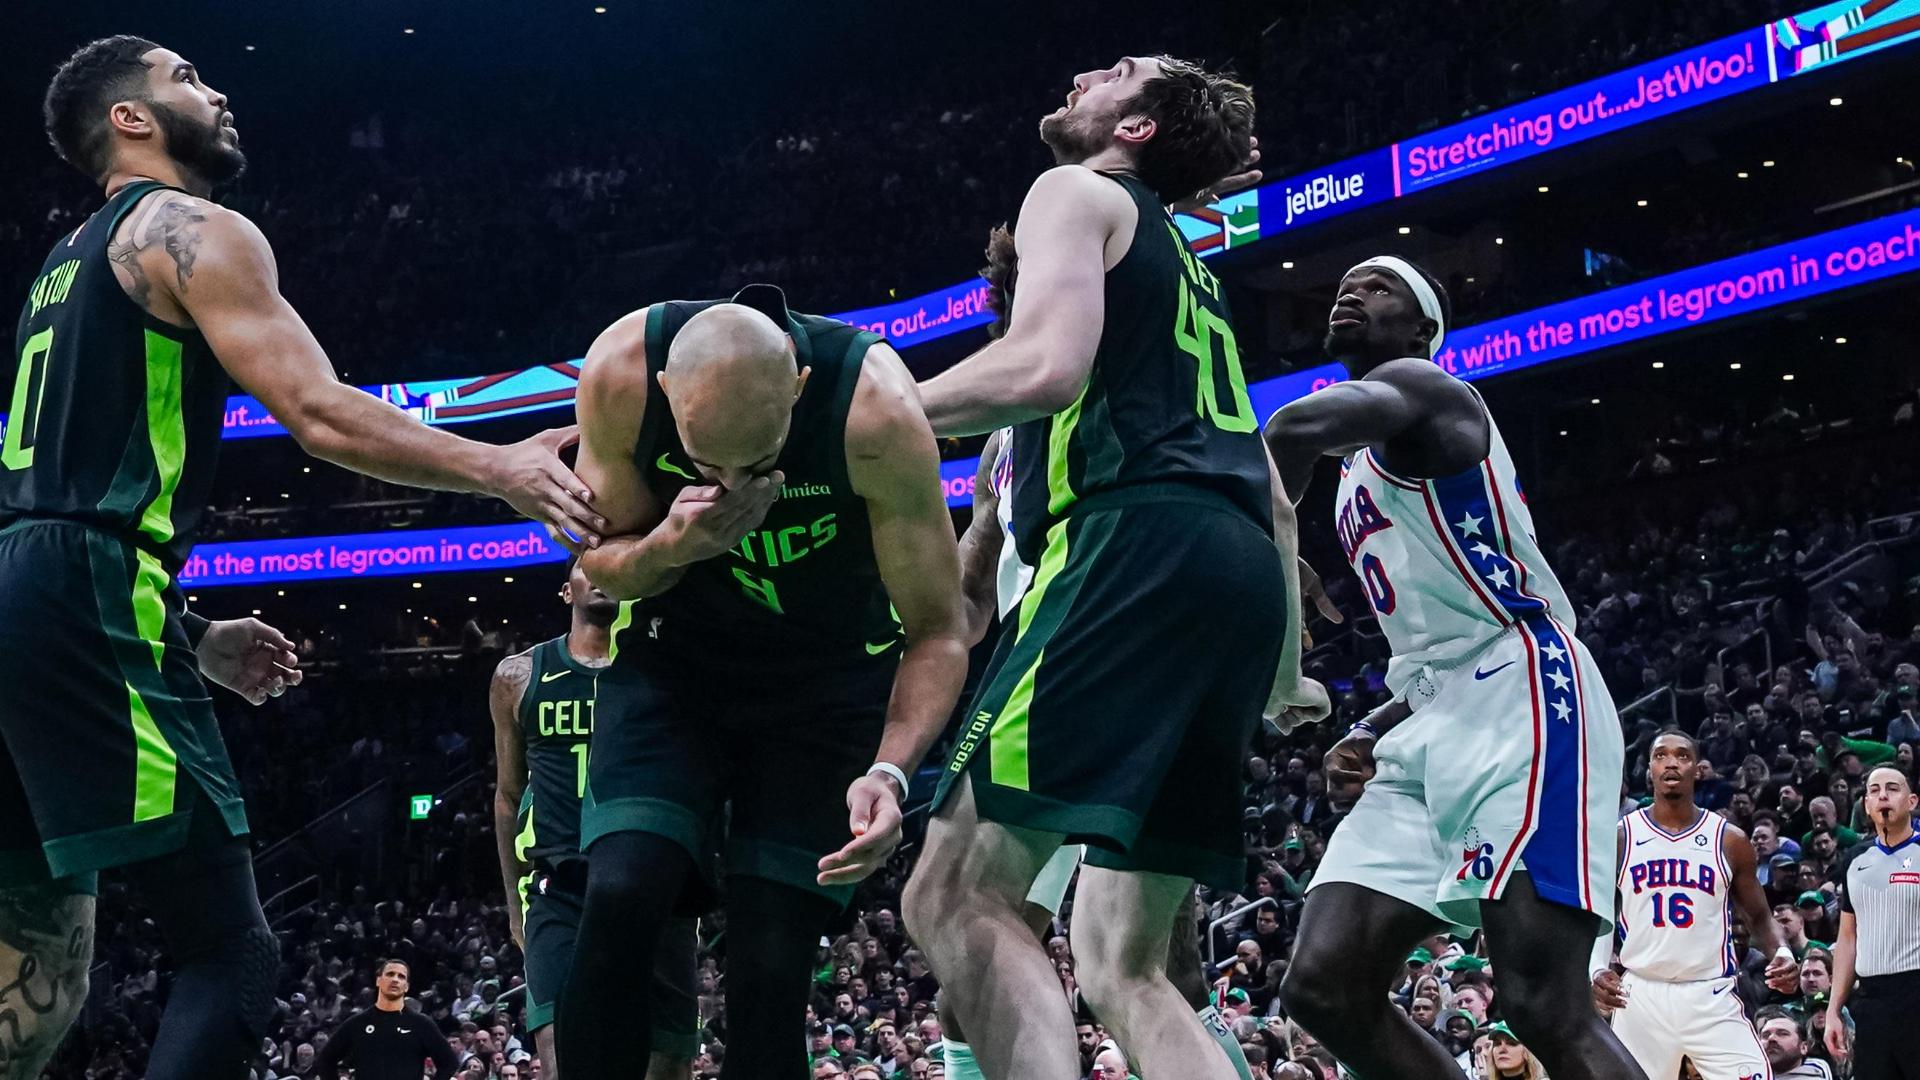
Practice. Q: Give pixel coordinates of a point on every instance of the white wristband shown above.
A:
(888, 768)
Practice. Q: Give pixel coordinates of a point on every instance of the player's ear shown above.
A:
(1423, 334)
(132, 119)
(1135, 129)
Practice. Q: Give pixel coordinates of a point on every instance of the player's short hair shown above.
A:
(1693, 746)
(381, 967)
(1003, 266)
(98, 74)
(1203, 128)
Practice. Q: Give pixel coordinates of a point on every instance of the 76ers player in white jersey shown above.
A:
(1681, 872)
(1477, 808)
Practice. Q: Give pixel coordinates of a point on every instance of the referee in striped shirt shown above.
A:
(1880, 939)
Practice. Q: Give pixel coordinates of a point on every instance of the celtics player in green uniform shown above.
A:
(542, 702)
(773, 489)
(1118, 708)
(109, 752)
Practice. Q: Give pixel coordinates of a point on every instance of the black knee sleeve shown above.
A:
(773, 932)
(602, 1027)
(225, 958)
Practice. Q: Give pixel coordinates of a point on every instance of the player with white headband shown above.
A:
(1476, 809)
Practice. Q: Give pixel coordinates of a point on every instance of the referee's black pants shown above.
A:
(1884, 1008)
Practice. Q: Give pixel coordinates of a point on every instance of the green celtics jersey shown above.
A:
(803, 589)
(1166, 400)
(556, 725)
(114, 416)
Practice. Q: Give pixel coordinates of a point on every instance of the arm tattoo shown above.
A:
(46, 942)
(124, 254)
(180, 222)
(174, 227)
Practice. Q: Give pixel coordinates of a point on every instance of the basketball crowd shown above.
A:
(1704, 578)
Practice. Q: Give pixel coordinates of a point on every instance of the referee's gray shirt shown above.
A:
(1883, 892)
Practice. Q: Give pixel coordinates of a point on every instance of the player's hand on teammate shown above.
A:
(873, 815)
(249, 658)
(1248, 176)
(1609, 993)
(1313, 590)
(1783, 974)
(707, 520)
(532, 479)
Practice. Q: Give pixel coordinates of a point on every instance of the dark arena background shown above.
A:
(1682, 256)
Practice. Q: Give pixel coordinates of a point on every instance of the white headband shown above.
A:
(1422, 292)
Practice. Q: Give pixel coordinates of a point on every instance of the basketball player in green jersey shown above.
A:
(109, 752)
(992, 578)
(1118, 710)
(772, 488)
(542, 702)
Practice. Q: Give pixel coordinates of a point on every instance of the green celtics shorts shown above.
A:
(675, 745)
(555, 898)
(105, 726)
(1119, 705)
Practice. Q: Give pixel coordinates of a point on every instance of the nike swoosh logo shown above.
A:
(552, 675)
(404, 1031)
(1648, 840)
(1478, 674)
(667, 466)
(1723, 990)
(876, 650)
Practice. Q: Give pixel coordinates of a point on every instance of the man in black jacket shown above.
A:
(388, 1041)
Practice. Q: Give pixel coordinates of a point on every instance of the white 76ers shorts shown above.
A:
(1511, 761)
(1701, 1021)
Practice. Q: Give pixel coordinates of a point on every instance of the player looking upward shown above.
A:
(1477, 809)
(110, 755)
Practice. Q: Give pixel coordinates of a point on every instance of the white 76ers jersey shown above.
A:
(1675, 923)
(1449, 563)
(1012, 576)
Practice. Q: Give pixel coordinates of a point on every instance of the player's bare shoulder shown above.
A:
(889, 443)
(614, 375)
(158, 248)
(886, 413)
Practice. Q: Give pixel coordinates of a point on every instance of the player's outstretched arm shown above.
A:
(1043, 362)
(980, 547)
(1783, 972)
(1339, 419)
(220, 270)
(509, 686)
(895, 467)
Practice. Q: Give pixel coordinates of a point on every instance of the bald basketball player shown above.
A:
(770, 483)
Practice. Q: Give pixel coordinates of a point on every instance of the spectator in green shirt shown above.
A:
(1826, 816)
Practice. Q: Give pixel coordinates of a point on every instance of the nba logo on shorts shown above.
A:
(1476, 857)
